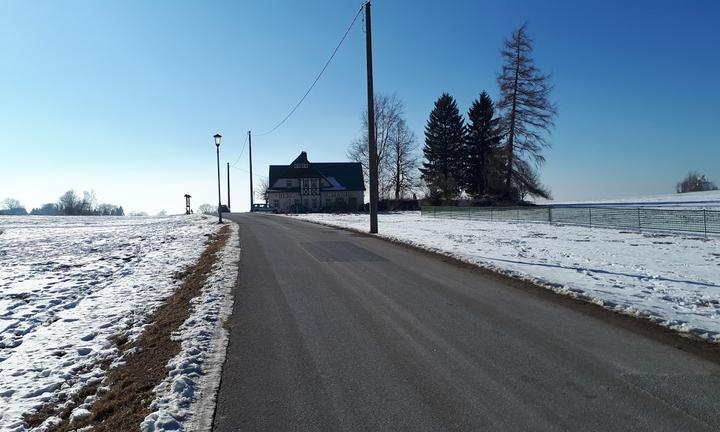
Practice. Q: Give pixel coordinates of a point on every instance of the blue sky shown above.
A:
(123, 97)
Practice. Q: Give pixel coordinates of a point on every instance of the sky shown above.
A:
(123, 97)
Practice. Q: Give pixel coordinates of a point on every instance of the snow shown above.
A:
(69, 283)
(694, 200)
(185, 400)
(672, 280)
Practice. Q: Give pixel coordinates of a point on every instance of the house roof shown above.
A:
(340, 175)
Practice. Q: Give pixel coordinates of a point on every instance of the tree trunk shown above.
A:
(511, 136)
(397, 176)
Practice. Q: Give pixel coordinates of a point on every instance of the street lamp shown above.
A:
(217, 147)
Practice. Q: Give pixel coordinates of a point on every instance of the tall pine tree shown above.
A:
(528, 114)
(482, 147)
(444, 137)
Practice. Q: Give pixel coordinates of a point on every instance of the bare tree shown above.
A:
(527, 181)
(12, 206)
(524, 98)
(87, 203)
(69, 203)
(403, 162)
(207, 209)
(392, 134)
(261, 192)
(695, 182)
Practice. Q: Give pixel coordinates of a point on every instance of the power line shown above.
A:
(234, 164)
(260, 176)
(327, 63)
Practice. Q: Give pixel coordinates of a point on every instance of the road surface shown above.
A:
(336, 331)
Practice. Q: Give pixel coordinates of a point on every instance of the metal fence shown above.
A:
(699, 221)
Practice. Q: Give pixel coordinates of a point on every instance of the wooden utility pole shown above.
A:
(372, 143)
(228, 176)
(251, 178)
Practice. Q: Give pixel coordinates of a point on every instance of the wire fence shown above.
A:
(700, 221)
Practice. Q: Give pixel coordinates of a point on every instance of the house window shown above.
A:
(288, 183)
(300, 165)
(309, 186)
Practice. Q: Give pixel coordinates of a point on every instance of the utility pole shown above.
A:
(228, 176)
(250, 153)
(372, 143)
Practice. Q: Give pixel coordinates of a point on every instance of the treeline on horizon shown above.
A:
(69, 204)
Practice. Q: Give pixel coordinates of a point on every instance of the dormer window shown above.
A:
(300, 165)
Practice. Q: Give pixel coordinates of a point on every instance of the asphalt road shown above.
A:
(335, 331)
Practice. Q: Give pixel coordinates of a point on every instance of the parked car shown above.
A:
(262, 208)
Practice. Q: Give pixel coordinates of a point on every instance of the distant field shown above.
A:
(694, 200)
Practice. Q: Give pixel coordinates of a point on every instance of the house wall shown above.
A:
(283, 202)
(286, 183)
(286, 202)
(342, 200)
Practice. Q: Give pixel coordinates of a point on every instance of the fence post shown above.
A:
(491, 215)
(590, 214)
(639, 225)
(517, 214)
(705, 221)
(550, 215)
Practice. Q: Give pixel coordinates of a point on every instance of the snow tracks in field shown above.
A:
(69, 284)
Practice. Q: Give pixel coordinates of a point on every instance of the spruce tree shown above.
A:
(444, 137)
(528, 113)
(482, 144)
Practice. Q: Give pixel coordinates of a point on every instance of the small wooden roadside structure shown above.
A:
(188, 210)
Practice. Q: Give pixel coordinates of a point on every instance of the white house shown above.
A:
(305, 186)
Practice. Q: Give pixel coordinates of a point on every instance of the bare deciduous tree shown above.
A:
(68, 203)
(524, 97)
(403, 161)
(262, 189)
(695, 182)
(12, 206)
(207, 209)
(395, 142)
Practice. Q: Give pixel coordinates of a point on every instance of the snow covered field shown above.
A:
(690, 200)
(69, 283)
(670, 279)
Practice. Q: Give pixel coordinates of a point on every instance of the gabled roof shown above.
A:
(349, 175)
(301, 159)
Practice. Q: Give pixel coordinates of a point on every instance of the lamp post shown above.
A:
(218, 137)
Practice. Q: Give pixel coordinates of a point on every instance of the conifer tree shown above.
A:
(482, 148)
(444, 137)
(528, 113)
